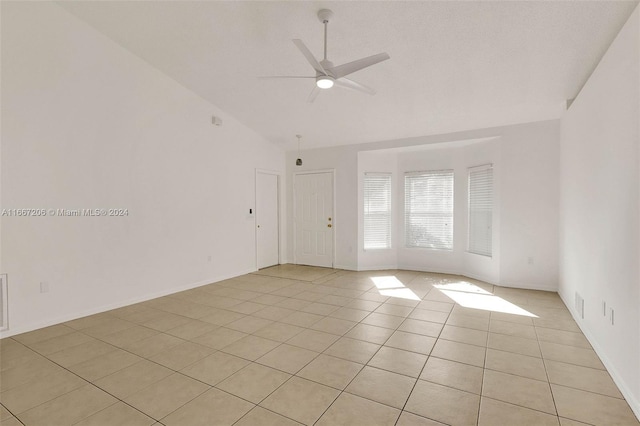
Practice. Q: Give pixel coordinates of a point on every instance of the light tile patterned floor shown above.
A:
(294, 344)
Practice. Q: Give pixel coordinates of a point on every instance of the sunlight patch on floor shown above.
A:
(462, 286)
(387, 282)
(471, 296)
(393, 287)
(401, 293)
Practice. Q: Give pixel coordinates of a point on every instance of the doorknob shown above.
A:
(258, 226)
(329, 226)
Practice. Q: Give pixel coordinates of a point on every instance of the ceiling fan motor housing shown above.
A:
(326, 64)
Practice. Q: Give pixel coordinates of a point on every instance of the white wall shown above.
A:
(600, 211)
(526, 159)
(529, 207)
(88, 125)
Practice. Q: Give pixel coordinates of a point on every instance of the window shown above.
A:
(377, 211)
(428, 209)
(481, 210)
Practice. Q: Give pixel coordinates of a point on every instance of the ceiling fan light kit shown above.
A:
(325, 82)
(328, 75)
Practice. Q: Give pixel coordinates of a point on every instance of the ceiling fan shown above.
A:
(328, 75)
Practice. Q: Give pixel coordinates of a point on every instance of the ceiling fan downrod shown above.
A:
(324, 15)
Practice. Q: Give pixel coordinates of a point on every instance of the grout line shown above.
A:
(426, 361)
(72, 390)
(11, 412)
(347, 294)
(546, 372)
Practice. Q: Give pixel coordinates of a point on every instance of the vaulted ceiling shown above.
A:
(454, 65)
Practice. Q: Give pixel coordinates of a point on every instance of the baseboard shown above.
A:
(345, 267)
(553, 289)
(481, 278)
(380, 268)
(425, 269)
(632, 400)
(49, 322)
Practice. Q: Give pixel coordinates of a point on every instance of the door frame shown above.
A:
(255, 215)
(333, 207)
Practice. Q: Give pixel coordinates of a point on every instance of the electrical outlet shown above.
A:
(44, 287)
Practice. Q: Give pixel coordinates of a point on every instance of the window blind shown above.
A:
(428, 209)
(481, 210)
(377, 211)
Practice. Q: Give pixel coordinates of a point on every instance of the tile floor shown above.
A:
(293, 344)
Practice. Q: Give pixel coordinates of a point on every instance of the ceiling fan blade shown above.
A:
(351, 67)
(285, 76)
(314, 94)
(307, 54)
(353, 85)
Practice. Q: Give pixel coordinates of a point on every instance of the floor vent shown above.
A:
(4, 317)
(580, 305)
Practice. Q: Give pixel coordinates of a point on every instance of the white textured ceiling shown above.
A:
(454, 65)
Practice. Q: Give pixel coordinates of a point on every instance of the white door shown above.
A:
(267, 229)
(314, 221)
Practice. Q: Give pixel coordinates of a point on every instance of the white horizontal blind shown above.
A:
(377, 211)
(428, 209)
(481, 210)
